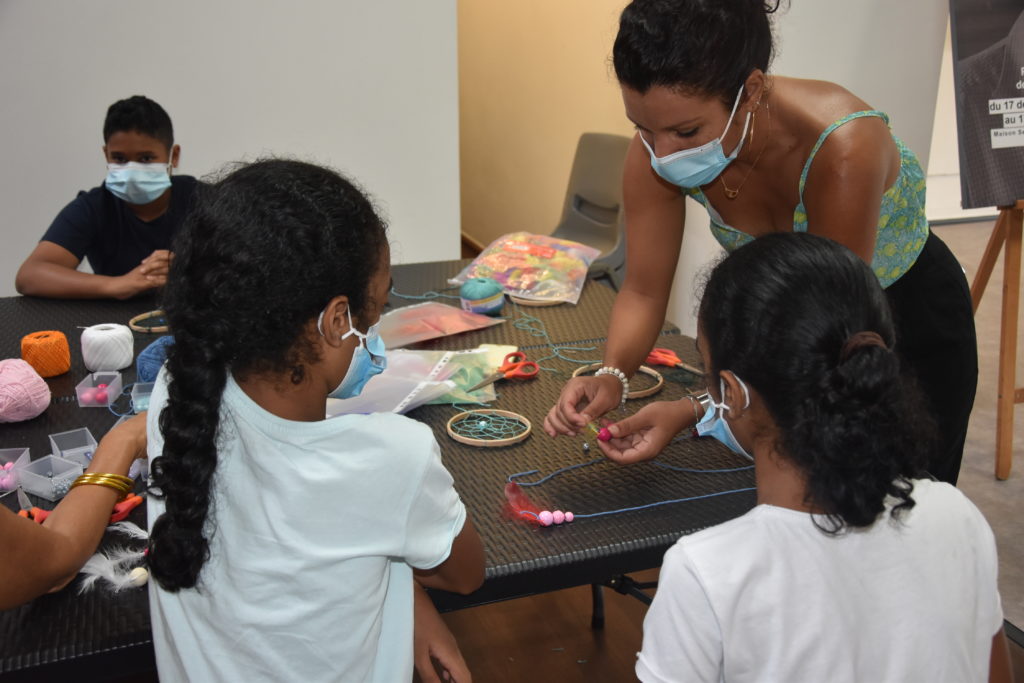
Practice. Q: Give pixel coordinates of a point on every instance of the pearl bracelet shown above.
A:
(609, 370)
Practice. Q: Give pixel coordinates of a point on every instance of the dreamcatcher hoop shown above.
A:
(484, 442)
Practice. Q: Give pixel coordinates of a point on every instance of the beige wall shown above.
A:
(533, 76)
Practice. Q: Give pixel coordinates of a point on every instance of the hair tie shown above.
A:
(858, 340)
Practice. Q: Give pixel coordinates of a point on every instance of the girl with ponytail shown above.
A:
(853, 566)
(283, 545)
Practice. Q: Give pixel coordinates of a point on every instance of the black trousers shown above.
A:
(937, 344)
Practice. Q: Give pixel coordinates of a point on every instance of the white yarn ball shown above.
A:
(107, 347)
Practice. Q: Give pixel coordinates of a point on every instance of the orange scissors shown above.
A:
(515, 367)
(669, 357)
(39, 515)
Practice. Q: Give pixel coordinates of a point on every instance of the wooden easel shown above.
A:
(1008, 230)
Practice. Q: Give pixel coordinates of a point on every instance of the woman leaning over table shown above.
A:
(764, 154)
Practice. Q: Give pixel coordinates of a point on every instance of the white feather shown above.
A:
(115, 568)
(129, 529)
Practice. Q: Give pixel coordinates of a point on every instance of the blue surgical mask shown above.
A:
(138, 183)
(714, 423)
(368, 360)
(699, 165)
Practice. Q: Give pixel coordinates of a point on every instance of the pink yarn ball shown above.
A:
(23, 393)
(101, 396)
(545, 517)
(558, 516)
(569, 516)
(88, 396)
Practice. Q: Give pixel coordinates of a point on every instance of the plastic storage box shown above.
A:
(98, 389)
(140, 395)
(11, 459)
(49, 477)
(78, 445)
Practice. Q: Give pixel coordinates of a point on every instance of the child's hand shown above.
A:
(433, 641)
(583, 400)
(644, 435)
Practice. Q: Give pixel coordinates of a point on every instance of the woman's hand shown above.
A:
(646, 434)
(583, 400)
(433, 641)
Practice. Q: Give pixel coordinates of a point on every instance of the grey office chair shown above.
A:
(592, 213)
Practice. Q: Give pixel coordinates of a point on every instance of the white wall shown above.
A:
(888, 53)
(367, 87)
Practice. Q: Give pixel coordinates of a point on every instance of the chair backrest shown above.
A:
(593, 201)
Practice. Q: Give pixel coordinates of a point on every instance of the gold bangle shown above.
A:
(123, 485)
(120, 479)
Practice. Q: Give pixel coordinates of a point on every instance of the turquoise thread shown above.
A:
(512, 479)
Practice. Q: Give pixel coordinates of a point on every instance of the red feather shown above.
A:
(518, 506)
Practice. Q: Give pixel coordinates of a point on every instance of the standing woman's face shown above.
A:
(670, 121)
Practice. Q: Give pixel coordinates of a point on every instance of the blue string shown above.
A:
(427, 296)
(536, 328)
(512, 477)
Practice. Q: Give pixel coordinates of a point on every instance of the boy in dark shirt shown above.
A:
(125, 226)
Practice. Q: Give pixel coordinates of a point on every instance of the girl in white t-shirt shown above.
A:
(283, 545)
(851, 567)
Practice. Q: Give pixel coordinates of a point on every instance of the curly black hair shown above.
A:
(705, 47)
(778, 312)
(261, 254)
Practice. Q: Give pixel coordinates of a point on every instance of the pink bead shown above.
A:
(8, 465)
(604, 435)
(88, 396)
(558, 516)
(101, 395)
(101, 386)
(545, 518)
(5, 482)
(569, 516)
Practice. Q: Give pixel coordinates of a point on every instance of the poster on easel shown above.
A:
(988, 76)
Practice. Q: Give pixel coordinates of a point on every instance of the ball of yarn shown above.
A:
(482, 295)
(47, 351)
(107, 347)
(152, 359)
(23, 393)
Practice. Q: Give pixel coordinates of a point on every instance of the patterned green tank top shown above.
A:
(902, 224)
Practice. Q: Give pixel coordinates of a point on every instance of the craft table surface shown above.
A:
(100, 635)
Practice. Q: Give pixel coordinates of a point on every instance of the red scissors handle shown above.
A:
(517, 367)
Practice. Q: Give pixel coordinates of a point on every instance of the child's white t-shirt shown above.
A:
(769, 597)
(314, 528)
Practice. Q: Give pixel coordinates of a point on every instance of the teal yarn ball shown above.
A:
(482, 295)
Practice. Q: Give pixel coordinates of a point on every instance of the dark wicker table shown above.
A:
(102, 636)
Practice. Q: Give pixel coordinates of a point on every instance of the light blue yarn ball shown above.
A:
(482, 295)
(149, 362)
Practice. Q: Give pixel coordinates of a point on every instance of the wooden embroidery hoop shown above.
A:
(484, 442)
(532, 302)
(639, 393)
(135, 323)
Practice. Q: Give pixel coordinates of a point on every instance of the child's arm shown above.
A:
(52, 271)
(463, 571)
(37, 558)
(433, 641)
(1000, 670)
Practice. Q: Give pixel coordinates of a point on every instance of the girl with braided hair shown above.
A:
(284, 545)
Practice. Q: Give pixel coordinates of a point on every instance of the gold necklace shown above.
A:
(731, 193)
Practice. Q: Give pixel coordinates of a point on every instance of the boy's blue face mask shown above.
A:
(138, 183)
(714, 423)
(698, 165)
(368, 360)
